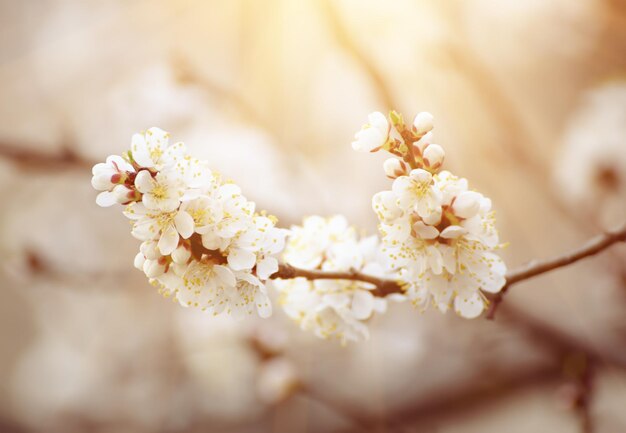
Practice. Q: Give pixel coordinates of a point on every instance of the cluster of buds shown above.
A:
(438, 235)
(202, 241)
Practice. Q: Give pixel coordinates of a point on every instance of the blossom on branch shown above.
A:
(437, 234)
(332, 308)
(203, 242)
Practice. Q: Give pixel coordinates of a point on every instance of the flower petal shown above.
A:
(240, 259)
(362, 304)
(266, 267)
(169, 240)
(184, 224)
(144, 182)
(470, 306)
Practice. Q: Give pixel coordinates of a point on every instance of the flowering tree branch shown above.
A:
(385, 287)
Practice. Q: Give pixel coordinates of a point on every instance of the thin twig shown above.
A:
(535, 268)
(384, 286)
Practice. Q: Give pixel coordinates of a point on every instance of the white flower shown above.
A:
(309, 242)
(217, 289)
(110, 173)
(162, 192)
(151, 149)
(417, 193)
(165, 227)
(225, 214)
(373, 135)
(257, 247)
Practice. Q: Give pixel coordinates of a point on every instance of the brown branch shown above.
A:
(535, 268)
(27, 157)
(385, 287)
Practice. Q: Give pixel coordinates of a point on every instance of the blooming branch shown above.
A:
(204, 244)
(386, 287)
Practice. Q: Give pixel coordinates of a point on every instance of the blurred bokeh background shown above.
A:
(529, 99)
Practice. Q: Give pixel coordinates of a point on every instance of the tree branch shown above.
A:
(27, 157)
(385, 287)
(535, 268)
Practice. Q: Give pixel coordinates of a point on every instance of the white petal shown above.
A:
(423, 122)
(181, 255)
(424, 231)
(240, 259)
(139, 261)
(139, 151)
(453, 232)
(470, 306)
(153, 268)
(149, 250)
(144, 182)
(263, 304)
(169, 240)
(467, 204)
(362, 304)
(337, 301)
(184, 224)
(106, 199)
(421, 176)
(266, 267)
(225, 275)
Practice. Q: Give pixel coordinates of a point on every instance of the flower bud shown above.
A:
(434, 155)
(181, 255)
(373, 135)
(149, 250)
(153, 268)
(394, 168)
(466, 204)
(423, 123)
(139, 261)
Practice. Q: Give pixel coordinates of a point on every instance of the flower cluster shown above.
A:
(439, 235)
(202, 241)
(331, 308)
